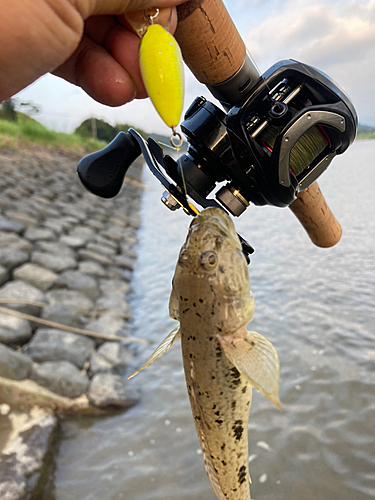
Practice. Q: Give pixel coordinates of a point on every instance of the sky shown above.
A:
(335, 36)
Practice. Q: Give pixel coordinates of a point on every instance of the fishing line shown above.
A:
(308, 147)
(176, 146)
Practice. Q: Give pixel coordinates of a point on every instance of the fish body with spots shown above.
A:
(212, 301)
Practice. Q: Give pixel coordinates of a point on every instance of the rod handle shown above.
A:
(214, 51)
(210, 43)
(314, 214)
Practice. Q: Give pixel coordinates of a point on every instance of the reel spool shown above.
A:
(287, 132)
(265, 150)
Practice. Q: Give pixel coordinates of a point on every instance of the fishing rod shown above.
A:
(277, 134)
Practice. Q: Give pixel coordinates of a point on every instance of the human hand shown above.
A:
(86, 42)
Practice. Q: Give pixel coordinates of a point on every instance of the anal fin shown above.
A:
(257, 359)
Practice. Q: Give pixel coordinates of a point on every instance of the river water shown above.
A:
(315, 305)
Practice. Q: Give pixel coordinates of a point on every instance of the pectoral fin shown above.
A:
(160, 350)
(256, 358)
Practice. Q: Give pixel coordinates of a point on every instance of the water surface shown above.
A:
(316, 306)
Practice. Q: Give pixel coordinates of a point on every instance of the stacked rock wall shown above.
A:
(67, 257)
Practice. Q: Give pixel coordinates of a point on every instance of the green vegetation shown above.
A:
(25, 130)
(92, 127)
(365, 132)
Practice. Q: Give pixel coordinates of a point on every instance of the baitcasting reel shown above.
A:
(275, 141)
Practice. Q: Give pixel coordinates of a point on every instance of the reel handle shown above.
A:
(214, 51)
(314, 214)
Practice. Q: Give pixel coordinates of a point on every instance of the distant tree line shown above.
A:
(10, 109)
(100, 129)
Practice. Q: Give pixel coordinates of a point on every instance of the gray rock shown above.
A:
(46, 211)
(10, 258)
(108, 324)
(135, 221)
(114, 287)
(75, 211)
(58, 225)
(14, 365)
(107, 389)
(111, 356)
(93, 268)
(36, 275)
(95, 224)
(126, 330)
(56, 249)
(73, 241)
(37, 233)
(14, 330)
(54, 226)
(115, 303)
(71, 298)
(83, 232)
(54, 262)
(4, 275)
(50, 344)
(25, 457)
(124, 261)
(117, 273)
(12, 226)
(114, 234)
(74, 280)
(102, 249)
(128, 251)
(65, 315)
(61, 377)
(22, 217)
(10, 240)
(18, 290)
(106, 242)
(91, 255)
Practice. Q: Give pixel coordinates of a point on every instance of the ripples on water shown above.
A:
(315, 305)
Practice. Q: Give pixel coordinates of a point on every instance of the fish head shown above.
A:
(212, 270)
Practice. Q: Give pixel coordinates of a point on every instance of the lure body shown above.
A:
(162, 71)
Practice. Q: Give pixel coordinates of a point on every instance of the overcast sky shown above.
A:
(337, 37)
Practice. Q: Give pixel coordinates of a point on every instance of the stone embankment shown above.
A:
(66, 257)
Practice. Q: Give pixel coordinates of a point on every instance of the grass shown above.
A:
(365, 135)
(27, 130)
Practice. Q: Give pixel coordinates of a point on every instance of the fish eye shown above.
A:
(208, 260)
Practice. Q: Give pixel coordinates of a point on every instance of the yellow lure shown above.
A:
(162, 71)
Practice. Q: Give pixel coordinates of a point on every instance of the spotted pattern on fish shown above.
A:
(211, 299)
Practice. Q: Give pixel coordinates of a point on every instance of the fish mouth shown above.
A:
(214, 218)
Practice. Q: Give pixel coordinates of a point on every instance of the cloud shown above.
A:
(336, 37)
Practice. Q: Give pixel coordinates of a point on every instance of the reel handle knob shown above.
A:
(102, 173)
(314, 214)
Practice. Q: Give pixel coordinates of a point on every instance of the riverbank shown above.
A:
(66, 258)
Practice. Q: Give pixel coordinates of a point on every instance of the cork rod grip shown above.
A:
(314, 214)
(214, 50)
(210, 43)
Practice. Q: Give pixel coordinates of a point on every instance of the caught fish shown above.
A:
(211, 299)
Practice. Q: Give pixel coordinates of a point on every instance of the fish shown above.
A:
(212, 300)
(162, 72)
